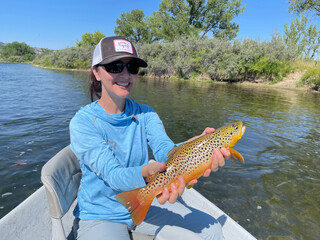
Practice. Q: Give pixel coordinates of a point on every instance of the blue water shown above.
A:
(275, 195)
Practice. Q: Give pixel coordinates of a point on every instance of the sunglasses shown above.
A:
(117, 67)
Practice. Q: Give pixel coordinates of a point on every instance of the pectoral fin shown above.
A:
(190, 186)
(236, 156)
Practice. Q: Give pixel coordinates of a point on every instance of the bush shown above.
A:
(15, 59)
(73, 57)
(312, 78)
(187, 57)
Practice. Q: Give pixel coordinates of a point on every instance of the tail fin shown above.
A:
(137, 206)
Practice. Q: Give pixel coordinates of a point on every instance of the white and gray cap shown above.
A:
(111, 49)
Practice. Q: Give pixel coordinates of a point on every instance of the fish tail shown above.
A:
(137, 207)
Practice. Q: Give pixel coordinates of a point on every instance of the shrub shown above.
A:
(312, 78)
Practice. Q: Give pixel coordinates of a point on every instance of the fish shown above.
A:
(190, 160)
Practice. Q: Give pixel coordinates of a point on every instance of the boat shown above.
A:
(48, 212)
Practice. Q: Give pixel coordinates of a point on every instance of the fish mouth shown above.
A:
(243, 130)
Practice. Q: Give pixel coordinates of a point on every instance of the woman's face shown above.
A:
(116, 85)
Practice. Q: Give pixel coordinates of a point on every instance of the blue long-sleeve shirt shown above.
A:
(112, 149)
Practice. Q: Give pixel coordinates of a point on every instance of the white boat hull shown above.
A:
(31, 220)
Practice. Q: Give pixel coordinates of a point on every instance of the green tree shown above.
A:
(133, 26)
(300, 6)
(218, 16)
(294, 34)
(173, 20)
(302, 37)
(90, 39)
(176, 18)
(190, 17)
(16, 49)
(312, 41)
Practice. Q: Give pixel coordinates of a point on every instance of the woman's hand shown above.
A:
(218, 160)
(152, 168)
(171, 197)
(218, 157)
(176, 192)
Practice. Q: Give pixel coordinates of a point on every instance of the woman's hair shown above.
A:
(94, 86)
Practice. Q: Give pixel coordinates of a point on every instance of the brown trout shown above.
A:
(190, 160)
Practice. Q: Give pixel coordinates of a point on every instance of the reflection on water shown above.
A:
(275, 195)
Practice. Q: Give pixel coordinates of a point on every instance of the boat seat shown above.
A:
(61, 177)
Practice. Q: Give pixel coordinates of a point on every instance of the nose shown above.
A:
(125, 72)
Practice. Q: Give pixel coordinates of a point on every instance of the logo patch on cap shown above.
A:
(122, 46)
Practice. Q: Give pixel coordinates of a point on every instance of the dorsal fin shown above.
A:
(173, 151)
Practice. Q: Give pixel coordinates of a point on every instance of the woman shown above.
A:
(110, 137)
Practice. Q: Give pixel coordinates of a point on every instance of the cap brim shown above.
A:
(141, 62)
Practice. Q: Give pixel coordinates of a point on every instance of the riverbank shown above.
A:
(289, 82)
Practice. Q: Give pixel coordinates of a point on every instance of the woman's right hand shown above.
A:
(166, 195)
(152, 168)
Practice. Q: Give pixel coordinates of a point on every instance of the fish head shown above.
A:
(236, 131)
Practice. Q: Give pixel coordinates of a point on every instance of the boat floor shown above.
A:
(31, 220)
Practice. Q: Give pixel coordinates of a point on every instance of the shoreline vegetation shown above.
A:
(174, 42)
(248, 62)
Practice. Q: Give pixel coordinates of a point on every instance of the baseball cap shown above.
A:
(111, 49)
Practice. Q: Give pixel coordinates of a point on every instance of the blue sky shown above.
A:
(58, 24)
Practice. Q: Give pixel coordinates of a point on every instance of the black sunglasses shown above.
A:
(117, 67)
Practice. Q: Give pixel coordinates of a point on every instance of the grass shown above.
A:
(311, 78)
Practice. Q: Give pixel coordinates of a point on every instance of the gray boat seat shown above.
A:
(61, 177)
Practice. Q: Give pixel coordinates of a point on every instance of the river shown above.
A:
(275, 195)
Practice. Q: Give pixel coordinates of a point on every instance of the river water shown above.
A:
(275, 195)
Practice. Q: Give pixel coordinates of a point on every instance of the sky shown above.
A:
(59, 24)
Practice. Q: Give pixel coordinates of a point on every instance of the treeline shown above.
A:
(194, 57)
(174, 42)
(191, 56)
(17, 52)
(217, 59)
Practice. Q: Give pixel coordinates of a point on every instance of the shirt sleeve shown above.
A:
(158, 139)
(95, 153)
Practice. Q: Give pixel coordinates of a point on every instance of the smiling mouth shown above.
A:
(123, 84)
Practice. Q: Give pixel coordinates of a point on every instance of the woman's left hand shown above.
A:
(218, 160)
(218, 156)
(176, 192)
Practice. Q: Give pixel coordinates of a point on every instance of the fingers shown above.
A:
(164, 196)
(192, 182)
(207, 173)
(174, 193)
(206, 131)
(172, 196)
(152, 168)
(218, 158)
(226, 153)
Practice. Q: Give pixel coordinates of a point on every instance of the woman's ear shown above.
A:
(95, 71)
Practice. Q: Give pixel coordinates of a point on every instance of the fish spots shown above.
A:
(193, 158)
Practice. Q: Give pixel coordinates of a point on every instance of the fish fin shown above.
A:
(137, 208)
(236, 155)
(174, 150)
(233, 159)
(190, 186)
